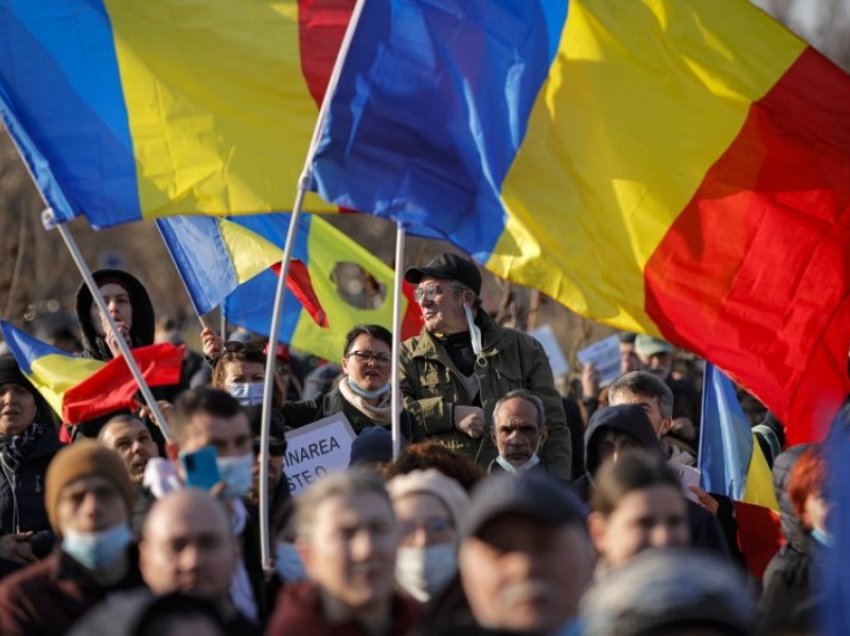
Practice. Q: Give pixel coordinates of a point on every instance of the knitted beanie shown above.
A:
(435, 483)
(85, 458)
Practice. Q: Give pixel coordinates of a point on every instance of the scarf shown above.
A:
(15, 449)
(380, 413)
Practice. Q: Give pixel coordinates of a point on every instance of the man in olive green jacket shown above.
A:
(463, 362)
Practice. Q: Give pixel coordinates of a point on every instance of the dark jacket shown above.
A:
(22, 492)
(298, 611)
(631, 420)
(297, 414)
(45, 598)
(787, 599)
(510, 359)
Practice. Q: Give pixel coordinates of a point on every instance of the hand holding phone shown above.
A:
(201, 468)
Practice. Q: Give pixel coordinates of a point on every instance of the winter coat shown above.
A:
(22, 492)
(45, 598)
(298, 611)
(298, 414)
(787, 598)
(630, 420)
(510, 359)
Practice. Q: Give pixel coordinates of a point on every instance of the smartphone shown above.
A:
(201, 468)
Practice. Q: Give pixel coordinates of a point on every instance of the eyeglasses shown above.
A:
(365, 357)
(429, 292)
(434, 526)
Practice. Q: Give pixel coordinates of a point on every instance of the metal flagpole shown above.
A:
(395, 403)
(304, 183)
(119, 340)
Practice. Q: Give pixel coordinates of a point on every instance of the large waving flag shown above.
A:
(214, 256)
(676, 167)
(130, 109)
(320, 247)
(79, 389)
(731, 463)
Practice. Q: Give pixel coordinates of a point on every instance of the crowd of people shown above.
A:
(510, 509)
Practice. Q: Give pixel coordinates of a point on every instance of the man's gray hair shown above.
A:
(528, 396)
(646, 384)
(353, 481)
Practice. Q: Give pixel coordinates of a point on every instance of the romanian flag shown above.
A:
(732, 464)
(322, 249)
(131, 109)
(79, 389)
(214, 256)
(675, 167)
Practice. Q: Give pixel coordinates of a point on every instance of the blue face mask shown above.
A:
(824, 538)
(236, 473)
(247, 393)
(369, 395)
(288, 563)
(96, 550)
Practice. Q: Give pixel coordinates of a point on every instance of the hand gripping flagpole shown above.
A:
(65, 233)
(395, 403)
(304, 183)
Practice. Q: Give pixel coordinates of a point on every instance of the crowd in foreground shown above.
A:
(510, 509)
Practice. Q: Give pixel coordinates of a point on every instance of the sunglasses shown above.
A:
(247, 351)
(430, 292)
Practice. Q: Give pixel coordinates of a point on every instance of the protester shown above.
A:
(616, 430)
(426, 455)
(372, 448)
(429, 508)
(519, 430)
(28, 443)
(88, 496)
(657, 358)
(363, 392)
(278, 486)
(653, 394)
(241, 371)
(671, 591)
(188, 546)
(525, 558)
(791, 597)
(637, 504)
(463, 362)
(210, 417)
(347, 537)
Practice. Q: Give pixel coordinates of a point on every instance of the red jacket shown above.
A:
(298, 611)
(45, 598)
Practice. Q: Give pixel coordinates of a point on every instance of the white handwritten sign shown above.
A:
(605, 356)
(317, 449)
(688, 476)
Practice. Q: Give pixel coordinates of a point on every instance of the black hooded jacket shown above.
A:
(143, 324)
(788, 602)
(631, 420)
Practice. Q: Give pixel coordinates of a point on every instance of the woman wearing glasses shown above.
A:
(363, 392)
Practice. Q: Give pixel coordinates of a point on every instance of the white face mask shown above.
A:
(516, 470)
(247, 393)
(424, 572)
(287, 563)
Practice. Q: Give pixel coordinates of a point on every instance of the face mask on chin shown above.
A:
(236, 473)
(368, 395)
(96, 550)
(516, 470)
(424, 572)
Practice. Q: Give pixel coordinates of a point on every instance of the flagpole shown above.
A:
(65, 233)
(395, 403)
(304, 183)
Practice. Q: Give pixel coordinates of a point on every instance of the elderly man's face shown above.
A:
(17, 409)
(442, 305)
(516, 431)
(188, 547)
(350, 552)
(523, 575)
(90, 504)
(132, 440)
